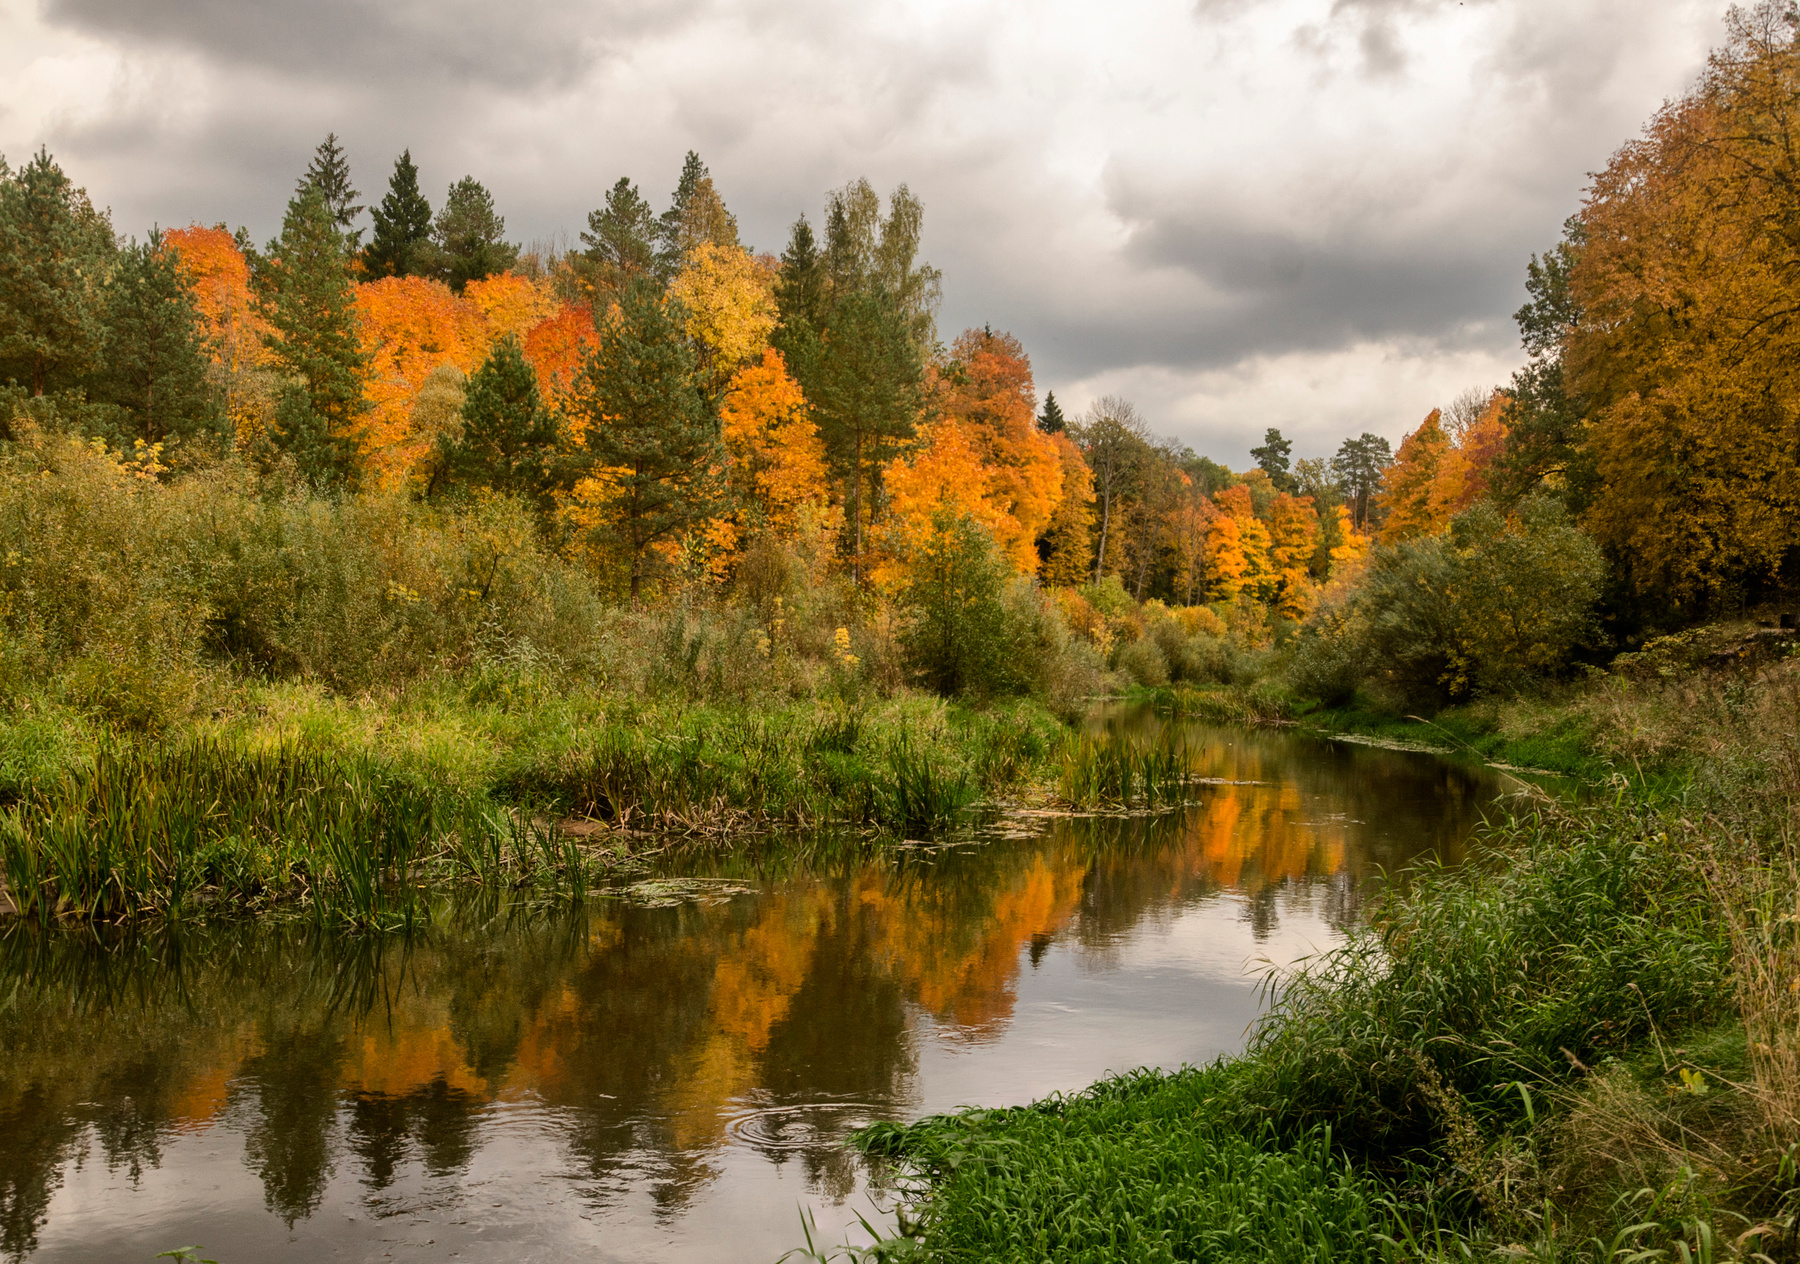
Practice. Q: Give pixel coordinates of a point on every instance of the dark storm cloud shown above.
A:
(512, 46)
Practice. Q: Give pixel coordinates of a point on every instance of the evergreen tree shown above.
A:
(800, 289)
(402, 224)
(508, 437)
(696, 213)
(1272, 459)
(867, 387)
(329, 173)
(305, 294)
(1546, 426)
(1358, 466)
(153, 366)
(649, 432)
(55, 253)
(621, 244)
(467, 242)
(1051, 421)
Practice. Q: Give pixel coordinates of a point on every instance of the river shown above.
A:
(667, 1073)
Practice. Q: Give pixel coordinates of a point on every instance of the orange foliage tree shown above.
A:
(219, 276)
(778, 471)
(1293, 535)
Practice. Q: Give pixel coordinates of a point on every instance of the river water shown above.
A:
(667, 1075)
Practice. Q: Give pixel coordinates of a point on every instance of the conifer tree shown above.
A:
(621, 244)
(305, 294)
(1272, 459)
(1051, 420)
(508, 438)
(467, 239)
(867, 389)
(402, 224)
(696, 213)
(650, 437)
(329, 173)
(55, 252)
(153, 364)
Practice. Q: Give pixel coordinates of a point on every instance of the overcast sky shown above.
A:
(1310, 214)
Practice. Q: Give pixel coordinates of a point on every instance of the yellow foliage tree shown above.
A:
(1293, 535)
(946, 471)
(778, 468)
(729, 296)
(1069, 538)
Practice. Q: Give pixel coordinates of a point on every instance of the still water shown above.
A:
(668, 1075)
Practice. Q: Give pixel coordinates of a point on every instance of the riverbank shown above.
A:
(290, 796)
(1584, 1046)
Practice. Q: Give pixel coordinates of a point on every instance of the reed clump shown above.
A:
(1120, 769)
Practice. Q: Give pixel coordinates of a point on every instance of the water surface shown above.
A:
(668, 1077)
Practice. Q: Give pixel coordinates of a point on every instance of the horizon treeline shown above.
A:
(662, 397)
(667, 401)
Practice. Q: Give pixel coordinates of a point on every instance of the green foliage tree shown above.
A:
(650, 434)
(1051, 420)
(621, 244)
(1358, 466)
(864, 250)
(304, 292)
(508, 439)
(56, 251)
(467, 239)
(329, 173)
(866, 387)
(1272, 459)
(153, 365)
(696, 214)
(959, 635)
(1546, 425)
(402, 224)
(1490, 606)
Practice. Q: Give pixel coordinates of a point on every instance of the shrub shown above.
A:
(1144, 662)
(1491, 605)
(961, 634)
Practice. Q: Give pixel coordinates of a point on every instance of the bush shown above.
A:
(1490, 606)
(962, 632)
(1144, 662)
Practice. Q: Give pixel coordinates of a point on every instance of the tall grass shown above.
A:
(166, 831)
(1115, 768)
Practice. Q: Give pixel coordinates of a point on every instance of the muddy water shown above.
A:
(668, 1075)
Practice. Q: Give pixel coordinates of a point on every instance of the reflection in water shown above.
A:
(665, 1082)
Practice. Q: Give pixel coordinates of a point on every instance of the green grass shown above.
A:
(1453, 1080)
(1136, 1168)
(345, 807)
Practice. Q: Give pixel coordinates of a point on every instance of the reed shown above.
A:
(1115, 769)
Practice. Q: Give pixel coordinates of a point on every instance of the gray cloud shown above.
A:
(1176, 195)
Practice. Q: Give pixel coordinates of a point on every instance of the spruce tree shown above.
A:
(329, 173)
(621, 244)
(648, 427)
(55, 252)
(1051, 420)
(153, 365)
(696, 214)
(467, 242)
(305, 294)
(508, 439)
(402, 224)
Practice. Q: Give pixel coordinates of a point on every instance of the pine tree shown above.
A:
(1272, 459)
(1358, 465)
(329, 173)
(402, 224)
(650, 436)
(1051, 421)
(508, 437)
(467, 242)
(621, 244)
(55, 252)
(305, 294)
(154, 366)
(867, 388)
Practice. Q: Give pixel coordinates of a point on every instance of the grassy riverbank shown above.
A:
(345, 806)
(1584, 1046)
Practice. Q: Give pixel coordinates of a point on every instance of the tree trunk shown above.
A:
(856, 513)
